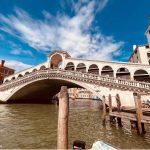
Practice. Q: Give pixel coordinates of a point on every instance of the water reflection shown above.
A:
(35, 126)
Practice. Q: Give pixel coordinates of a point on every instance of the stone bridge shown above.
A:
(41, 82)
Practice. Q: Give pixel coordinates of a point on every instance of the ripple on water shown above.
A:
(35, 126)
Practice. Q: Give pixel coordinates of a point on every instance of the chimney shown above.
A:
(2, 63)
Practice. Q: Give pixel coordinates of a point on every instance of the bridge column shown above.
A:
(132, 75)
(62, 137)
(115, 73)
(63, 63)
(87, 68)
(100, 71)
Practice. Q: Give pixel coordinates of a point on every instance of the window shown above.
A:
(5, 71)
(10, 72)
(147, 46)
(148, 54)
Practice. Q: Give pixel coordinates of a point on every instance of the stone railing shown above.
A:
(78, 76)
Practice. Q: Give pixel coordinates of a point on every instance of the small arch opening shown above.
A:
(56, 61)
(13, 78)
(70, 66)
(34, 70)
(107, 71)
(81, 67)
(27, 73)
(123, 73)
(6, 81)
(141, 75)
(43, 68)
(93, 69)
(20, 75)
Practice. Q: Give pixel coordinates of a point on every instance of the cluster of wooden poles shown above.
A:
(138, 124)
(62, 135)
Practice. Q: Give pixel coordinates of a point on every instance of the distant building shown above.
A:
(141, 53)
(5, 71)
(81, 93)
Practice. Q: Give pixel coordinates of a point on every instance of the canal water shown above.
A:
(34, 126)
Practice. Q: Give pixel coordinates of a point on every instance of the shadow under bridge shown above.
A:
(40, 91)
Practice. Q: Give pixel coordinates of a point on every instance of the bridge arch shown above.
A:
(141, 75)
(13, 78)
(56, 61)
(107, 71)
(20, 75)
(123, 73)
(27, 93)
(81, 67)
(93, 69)
(6, 81)
(26, 73)
(42, 67)
(70, 66)
(34, 70)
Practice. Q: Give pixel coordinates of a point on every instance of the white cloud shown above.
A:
(17, 65)
(1, 37)
(73, 34)
(17, 49)
(20, 51)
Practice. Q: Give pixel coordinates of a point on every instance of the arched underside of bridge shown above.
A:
(41, 88)
(40, 91)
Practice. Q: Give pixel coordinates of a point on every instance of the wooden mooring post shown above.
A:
(138, 107)
(111, 118)
(110, 103)
(118, 101)
(104, 110)
(62, 136)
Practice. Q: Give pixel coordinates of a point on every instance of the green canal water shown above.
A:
(34, 126)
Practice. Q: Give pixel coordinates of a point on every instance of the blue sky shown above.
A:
(97, 29)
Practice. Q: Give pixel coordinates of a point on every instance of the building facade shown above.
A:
(141, 53)
(147, 33)
(5, 71)
(81, 93)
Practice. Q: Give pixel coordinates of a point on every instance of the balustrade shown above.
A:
(69, 74)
